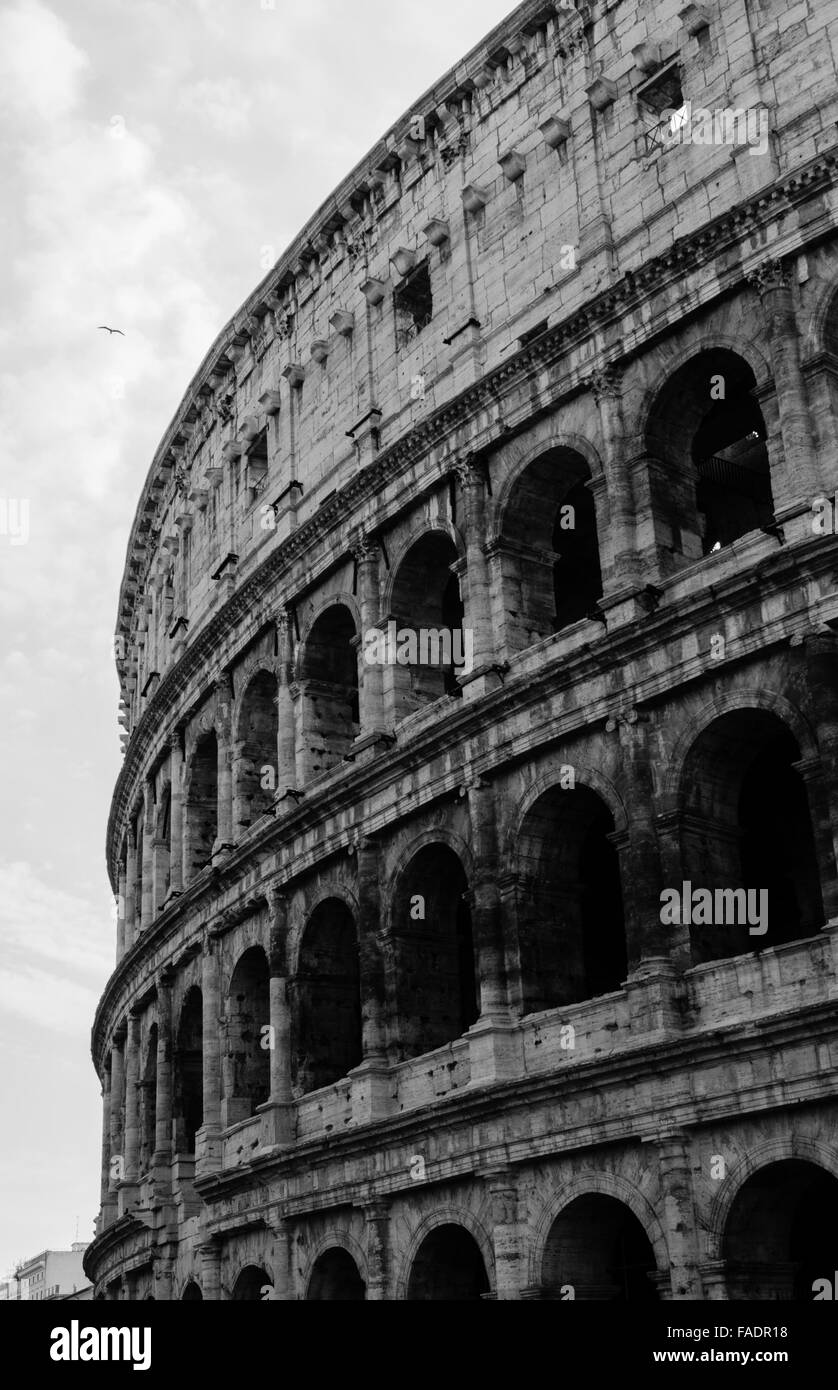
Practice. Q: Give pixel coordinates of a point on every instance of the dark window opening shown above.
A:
(413, 303)
(577, 580)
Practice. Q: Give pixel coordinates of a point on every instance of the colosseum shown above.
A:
(475, 841)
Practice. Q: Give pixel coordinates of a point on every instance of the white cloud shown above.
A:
(41, 69)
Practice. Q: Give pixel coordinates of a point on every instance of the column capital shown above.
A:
(470, 470)
(365, 549)
(605, 383)
(770, 275)
(165, 978)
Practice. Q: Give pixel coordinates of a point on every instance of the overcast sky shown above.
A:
(151, 151)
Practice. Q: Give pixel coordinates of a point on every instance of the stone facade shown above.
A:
(396, 1011)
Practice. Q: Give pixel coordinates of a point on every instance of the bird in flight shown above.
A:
(111, 330)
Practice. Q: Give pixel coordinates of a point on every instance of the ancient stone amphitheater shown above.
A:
(481, 598)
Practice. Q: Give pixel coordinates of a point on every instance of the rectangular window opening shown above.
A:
(413, 303)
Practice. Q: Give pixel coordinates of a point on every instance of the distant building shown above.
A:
(51, 1274)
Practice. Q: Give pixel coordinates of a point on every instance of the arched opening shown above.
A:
(250, 1284)
(327, 999)
(427, 610)
(782, 1233)
(163, 847)
(598, 1248)
(711, 482)
(254, 776)
(335, 1277)
(202, 806)
(329, 681)
(148, 1102)
(448, 1266)
(436, 985)
(571, 928)
(747, 828)
(192, 1293)
(188, 1072)
(247, 1079)
(549, 549)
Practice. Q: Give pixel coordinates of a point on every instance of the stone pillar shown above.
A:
(224, 733)
(147, 900)
(377, 1218)
(107, 1205)
(678, 1217)
(286, 746)
(642, 883)
(210, 1253)
(176, 873)
(208, 1139)
(795, 486)
(477, 598)
(117, 1101)
(372, 966)
(494, 1044)
(130, 888)
(370, 676)
(281, 1233)
(370, 1090)
(120, 911)
(818, 798)
(510, 1266)
(163, 1095)
(278, 1112)
(623, 562)
(821, 664)
(132, 1099)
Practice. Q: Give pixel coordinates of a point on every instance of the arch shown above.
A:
(583, 775)
(192, 1292)
(201, 803)
(517, 456)
(255, 749)
(435, 980)
(745, 348)
(328, 678)
(425, 599)
(598, 1247)
(326, 998)
(672, 780)
(426, 526)
(148, 1102)
(746, 832)
(189, 1071)
(821, 333)
(600, 1185)
(548, 547)
(249, 1284)
(569, 899)
(247, 1080)
(781, 1232)
(712, 481)
(448, 1265)
(335, 1277)
(762, 1155)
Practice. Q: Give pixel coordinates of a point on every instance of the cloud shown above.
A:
(55, 950)
(222, 104)
(41, 69)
